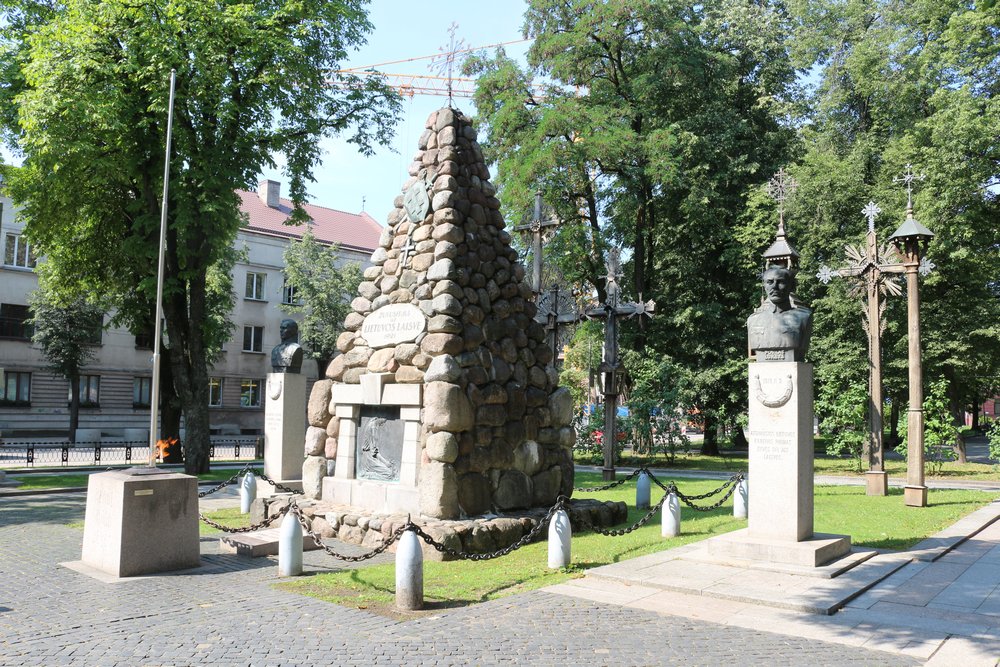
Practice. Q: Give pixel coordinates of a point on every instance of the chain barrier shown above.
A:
(733, 483)
(297, 511)
(527, 538)
(245, 529)
(592, 489)
(638, 524)
(235, 478)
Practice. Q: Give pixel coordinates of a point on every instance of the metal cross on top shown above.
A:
(611, 369)
(536, 228)
(444, 63)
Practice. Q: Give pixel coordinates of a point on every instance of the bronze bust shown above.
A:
(780, 328)
(286, 357)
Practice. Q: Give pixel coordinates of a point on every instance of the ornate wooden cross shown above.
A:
(536, 228)
(556, 308)
(611, 311)
(873, 267)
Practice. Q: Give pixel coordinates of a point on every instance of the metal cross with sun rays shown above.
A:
(444, 63)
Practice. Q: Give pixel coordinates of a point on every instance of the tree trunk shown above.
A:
(975, 413)
(893, 439)
(74, 407)
(740, 438)
(710, 443)
(170, 412)
(185, 318)
(959, 448)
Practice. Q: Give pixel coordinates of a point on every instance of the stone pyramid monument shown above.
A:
(444, 401)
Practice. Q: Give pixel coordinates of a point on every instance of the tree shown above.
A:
(66, 332)
(322, 285)
(658, 121)
(84, 98)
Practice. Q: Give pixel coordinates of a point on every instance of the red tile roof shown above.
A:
(356, 231)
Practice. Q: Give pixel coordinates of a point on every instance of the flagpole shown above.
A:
(154, 402)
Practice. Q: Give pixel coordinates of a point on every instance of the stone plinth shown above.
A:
(141, 523)
(780, 525)
(284, 427)
(781, 451)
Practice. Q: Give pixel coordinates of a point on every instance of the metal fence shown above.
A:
(49, 454)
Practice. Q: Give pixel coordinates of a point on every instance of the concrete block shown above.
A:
(141, 523)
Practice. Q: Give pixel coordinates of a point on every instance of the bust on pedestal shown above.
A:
(780, 526)
(285, 411)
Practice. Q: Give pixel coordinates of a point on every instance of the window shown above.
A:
(16, 388)
(253, 339)
(215, 392)
(13, 321)
(250, 391)
(94, 330)
(289, 295)
(142, 390)
(90, 391)
(144, 340)
(17, 252)
(255, 286)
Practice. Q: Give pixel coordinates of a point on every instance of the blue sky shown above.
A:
(404, 30)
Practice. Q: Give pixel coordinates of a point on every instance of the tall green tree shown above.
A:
(656, 121)
(84, 99)
(323, 285)
(66, 332)
(905, 83)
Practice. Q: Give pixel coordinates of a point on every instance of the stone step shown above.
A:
(258, 543)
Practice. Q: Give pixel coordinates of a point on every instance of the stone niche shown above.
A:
(443, 329)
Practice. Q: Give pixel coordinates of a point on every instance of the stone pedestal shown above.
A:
(915, 496)
(284, 428)
(780, 526)
(141, 521)
(877, 483)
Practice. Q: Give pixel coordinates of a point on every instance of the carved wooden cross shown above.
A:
(535, 228)
(555, 309)
(868, 266)
(611, 369)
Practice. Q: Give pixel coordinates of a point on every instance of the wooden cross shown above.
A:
(611, 312)
(535, 228)
(873, 275)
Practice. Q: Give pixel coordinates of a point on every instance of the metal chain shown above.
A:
(278, 485)
(526, 539)
(297, 511)
(732, 489)
(638, 524)
(735, 478)
(592, 489)
(245, 529)
(222, 485)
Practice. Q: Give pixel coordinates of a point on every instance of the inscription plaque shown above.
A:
(416, 203)
(379, 452)
(393, 324)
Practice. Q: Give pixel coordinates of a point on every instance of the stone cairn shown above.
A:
(495, 432)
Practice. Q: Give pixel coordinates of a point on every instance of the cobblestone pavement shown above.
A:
(227, 613)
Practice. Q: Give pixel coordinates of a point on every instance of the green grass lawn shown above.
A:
(881, 522)
(39, 481)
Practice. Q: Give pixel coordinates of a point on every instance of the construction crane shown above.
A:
(444, 84)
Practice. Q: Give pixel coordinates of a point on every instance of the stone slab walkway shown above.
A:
(228, 613)
(939, 602)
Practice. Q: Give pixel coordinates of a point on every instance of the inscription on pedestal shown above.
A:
(773, 445)
(393, 324)
(379, 453)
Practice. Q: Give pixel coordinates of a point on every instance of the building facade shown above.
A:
(117, 383)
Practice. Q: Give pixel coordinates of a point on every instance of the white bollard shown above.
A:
(741, 499)
(248, 492)
(642, 491)
(560, 536)
(671, 516)
(409, 572)
(290, 546)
